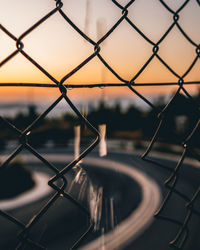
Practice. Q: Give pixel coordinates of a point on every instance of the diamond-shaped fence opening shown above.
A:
(74, 209)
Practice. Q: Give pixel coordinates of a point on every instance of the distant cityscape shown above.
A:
(130, 121)
(11, 109)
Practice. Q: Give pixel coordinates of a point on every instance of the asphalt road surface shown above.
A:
(62, 224)
(160, 232)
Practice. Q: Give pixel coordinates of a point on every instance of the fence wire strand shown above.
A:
(23, 136)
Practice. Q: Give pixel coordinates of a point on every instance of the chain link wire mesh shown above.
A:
(188, 148)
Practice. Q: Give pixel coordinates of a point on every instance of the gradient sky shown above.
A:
(58, 48)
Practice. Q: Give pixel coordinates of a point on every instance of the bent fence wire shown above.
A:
(163, 114)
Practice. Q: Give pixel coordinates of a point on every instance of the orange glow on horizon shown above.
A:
(58, 48)
(34, 94)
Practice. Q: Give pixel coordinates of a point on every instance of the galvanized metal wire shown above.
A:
(163, 114)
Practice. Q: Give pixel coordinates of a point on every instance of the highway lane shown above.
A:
(139, 218)
(66, 217)
(160, 232)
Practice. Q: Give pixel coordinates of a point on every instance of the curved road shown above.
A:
(156, 236)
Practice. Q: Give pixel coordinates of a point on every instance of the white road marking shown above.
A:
(129, 228)
(40, 190)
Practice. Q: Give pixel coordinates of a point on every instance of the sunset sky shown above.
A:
(58, 48)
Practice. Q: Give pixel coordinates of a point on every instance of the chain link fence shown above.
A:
(163, 115)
